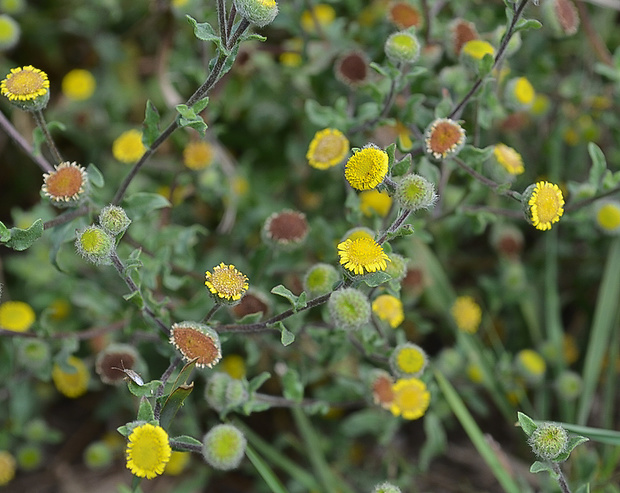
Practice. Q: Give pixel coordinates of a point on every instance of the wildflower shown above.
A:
(26, 87)
(366, 168)
(520, 93)
(17, 316)
(7, 467)
(198, 155)
(461, 31)
(97, 455)
(568, 385)
(508, 158)
(543, 204)
(323, 13)
(286, 229)
(415, 192)
(408, 360)
(530, 365)
(404, 15)
(33, 353)
(177, 463)
(562, 16)
(608, 216)
(402, 47)
(253, 302)
(9, 32)
(128, 147)
(95, 245)
(226, 284)
(148, 451)
(215, 390)
(65, 186)
(444, 137)
(327, 148)
(386, 487)
(320, 279)
(397, 268)
(466, 314)
(113, 219)
(352, 68)
(78, 84)
(73, 383)
(411, 399)
(196, 340)
(389, 308)
(234, 365)
(474, 372)
(548, 441)
(111, 362)
(476, 49)
(362, 256)
(29, 457)
(381, 386)
(349, 308)
(373, 201)
(224, 447)
(59, 309)
(258, 12)
(290, 59)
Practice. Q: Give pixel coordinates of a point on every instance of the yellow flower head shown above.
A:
(466, 314)
(530, 365)
(7, 467)
(198, 155)
(444, 137)
(327, 148)
(66, 185)
(25, 84)
(373, 201)
(509, 159)
(177, 463)
(477, 48)
(323, 13)
(411, 398)
(194, 340)
(71, 384)
(543, 204)
(78, 84)
(408, 360)
(148, 451)
(366, 168)
(520, 93)
(128, 147)
(362, 256)
(357, 233)
(226, 283)
(608, 216)
(16, 316)
(234, 365)
(389, 308)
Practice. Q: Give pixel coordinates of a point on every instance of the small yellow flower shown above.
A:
(389, 308)
(78, 84)
(467, 314)
(366, 168)
(608, 217)
(375, 201)
(198, 155)
(327, 148)
(25, 84)
(408, 360)
(510, 159)
(524, 91)
(66, 185)
(148, 451)
(177, 463)
(290, 59)
(544, 204)
(16, 316)
(324, 14)
(128, 147)
(411, 398)
(226, 283)
(195, 340)
(474, 372)
(444, 137)
(531, 365)
(362, 256)
(7, 467)
(234, 365)
(72, 384)
(477, 48)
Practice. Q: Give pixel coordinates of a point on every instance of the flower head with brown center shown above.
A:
(25, 84)
(462, 31)
(65, 186)
(411, 398)
(352, 68)
(226, 284)
(196, 340)
(444, 137)
(404, 15)
(543, 204)
(381, 387)
(111, 362)
(366, 168)
(148, 451)
(286, 229)
(328, 148)
(362, 256)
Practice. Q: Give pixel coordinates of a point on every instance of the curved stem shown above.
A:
(12, 132)
(486, 181)
(67, 217)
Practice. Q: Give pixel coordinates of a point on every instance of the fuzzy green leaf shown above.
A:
(402, 166)
(150, 126)
(538, 466)
(527, 424)
(173, 404)
(147, 390)
(205, 32)
(572, 443)
(258, 381)
(139, 204)
(94, 176)
(376, 278)
(286, 336)
(22, 239)
(526, 24)
(297, 301)
(599, 164)
(145, 411)
(5, 233)
(177, 442)
(292, 387)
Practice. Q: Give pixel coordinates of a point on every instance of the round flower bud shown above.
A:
(195, 340)
(548, 441)
(113, 219)
(97, 455)
(386, 487)
(415, 192)
(95, 245)
(27, 88)
(402, 47)
(215, 390)
(236, 393)
(320, 279)
(568, 385)
(259, 12)
(474, 51)
(224, 447)
(9, 32)
(531, 366)
(33, 354)
(408, 360)
(397, 268)
(349, 308)
(29, 457)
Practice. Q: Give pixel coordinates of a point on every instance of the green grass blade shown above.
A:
(265, 471)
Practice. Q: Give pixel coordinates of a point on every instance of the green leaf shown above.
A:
(94, 176)
(376, 278)
(200, 105)
(527, 424)
(149, 389)
(150, 126)
(189, 118)
(298, 302)
(258, 381)
(58, 236)
(145, 411)
(177, 442)
(404, 230)
(22, 239)
(474, 156)
(379, 69)
(527, 24)
(136, 298)
(5, 233)
(139, 204)
(173, 404)
(402, 166)
(252, 37)
(390, 150)
(265, 472)
(286, 336)
(572, 443)
(599, 164)
(486, 65)
(293, 389)
(205, 32)
(611, 437)
(538, 466)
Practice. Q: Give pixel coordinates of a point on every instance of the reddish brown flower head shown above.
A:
(66, 185)
(403, 15)
(444, 137)
(567, 16)
(252, 302)
(113, 360)
(196, 340)
(381, 385)
(461, 31)
(286, 229)
(352, 68)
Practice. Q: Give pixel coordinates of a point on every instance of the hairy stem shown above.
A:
(12, 132)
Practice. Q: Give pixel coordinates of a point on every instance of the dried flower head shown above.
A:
(543, 204)
(366, 168)
(226, 284)
(148, 451)
(66, 186)
(195, 340)
(286, 229)
(252, 302)
(328, 148)
(381, 387)
(404, 15)
(352, 68)
(362, 256)
(411, 398)
(26, 87)
(444, 138)
(461, 31)
(111, 362)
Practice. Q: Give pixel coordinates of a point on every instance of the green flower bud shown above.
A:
(97, 456)
(215, 391)
(113, 219)
(29, 457)
(568, 385)
(224, 447)
(320, 279)
(397, 268)
(349, 308)
(386, 487)
(415, 192)
(33, 353)
(259, 12)
(402, 47)
(236, 393)
(95, 245)
(548, 441)
(9, 32)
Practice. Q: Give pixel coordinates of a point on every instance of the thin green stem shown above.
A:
(38, 117)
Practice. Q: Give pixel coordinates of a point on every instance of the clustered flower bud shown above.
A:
(259, 12)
